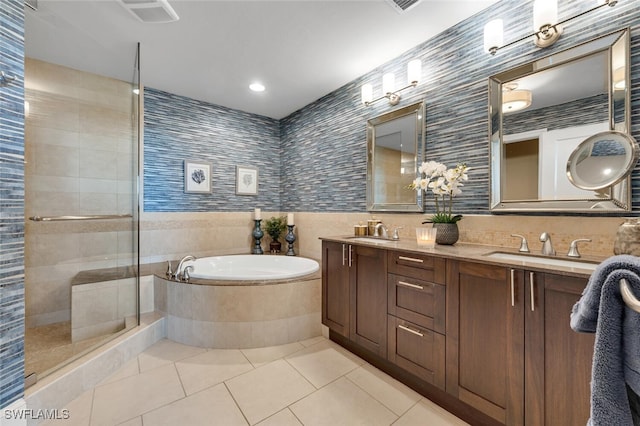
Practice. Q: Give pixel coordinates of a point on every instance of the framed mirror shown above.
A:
(540, 112)
(395, 149)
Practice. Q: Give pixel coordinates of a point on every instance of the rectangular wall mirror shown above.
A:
(540, 112)
(395, 150)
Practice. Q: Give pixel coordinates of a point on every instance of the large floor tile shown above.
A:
(426, 412)
(342, 403)
(130, 368)
(266, 390)
(323, 362)
(281, 418)
(79, 411)
(165, 352)
(125, 399)
(210, 368)
(261, 356)
(213, 406)
(391, 393)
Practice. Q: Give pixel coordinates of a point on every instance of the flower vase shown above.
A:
(447, 233)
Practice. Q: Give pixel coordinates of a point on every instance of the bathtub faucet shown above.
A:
(179, 274)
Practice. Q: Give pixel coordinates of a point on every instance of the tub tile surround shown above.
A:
(270, 314)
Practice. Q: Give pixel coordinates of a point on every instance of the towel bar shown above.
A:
(90, 217)
(628, 296)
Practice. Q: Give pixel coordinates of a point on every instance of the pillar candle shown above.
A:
(290, 219)
(256, 214)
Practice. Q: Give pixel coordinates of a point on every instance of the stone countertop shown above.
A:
(475, 253)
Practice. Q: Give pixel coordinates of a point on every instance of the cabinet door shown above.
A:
(558, 360)
(335, 287)
(485, 339)
(368, 320)
(417, 350)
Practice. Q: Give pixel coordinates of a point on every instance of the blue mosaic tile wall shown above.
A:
(324, 144)
(12, 206)
(321, 149)
(177, 128)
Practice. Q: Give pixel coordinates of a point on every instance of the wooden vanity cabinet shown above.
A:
(335, 287)
(511, 353)
(416, 315)
(354, 294)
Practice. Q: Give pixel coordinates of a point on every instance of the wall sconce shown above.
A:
(547, 29)
(414, 73)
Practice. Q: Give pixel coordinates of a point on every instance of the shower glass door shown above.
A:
(81, 211)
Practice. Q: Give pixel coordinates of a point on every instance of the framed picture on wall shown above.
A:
(197, 177)
(246, 180)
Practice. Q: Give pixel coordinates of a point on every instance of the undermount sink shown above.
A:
(548, 261)
(372, 240)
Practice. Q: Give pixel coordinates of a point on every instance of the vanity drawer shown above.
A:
(418, 350)
(420, 302)
(415, 265)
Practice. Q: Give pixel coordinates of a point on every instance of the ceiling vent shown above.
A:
(151, 11)
(402, 6)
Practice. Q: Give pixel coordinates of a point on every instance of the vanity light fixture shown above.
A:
(414, 73)
(515, 100)
(547, 29)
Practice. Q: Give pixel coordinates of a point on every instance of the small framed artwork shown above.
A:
(246, 180)
(197, 177)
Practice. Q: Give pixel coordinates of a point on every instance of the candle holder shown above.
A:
(257, 235)
(290, 238)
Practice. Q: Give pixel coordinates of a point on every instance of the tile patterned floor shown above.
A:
(313, 382)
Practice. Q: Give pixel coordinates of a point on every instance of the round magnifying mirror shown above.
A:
(602, 160)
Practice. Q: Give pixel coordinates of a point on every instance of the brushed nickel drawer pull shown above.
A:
(350, 255)
(533, 291)
(344, 254)
(410, 330)
(513, 296)
(406, 284)
(411, 259)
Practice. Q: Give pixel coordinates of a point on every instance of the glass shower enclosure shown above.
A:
(82, 133)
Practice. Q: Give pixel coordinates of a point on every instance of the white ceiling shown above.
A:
(300, 50)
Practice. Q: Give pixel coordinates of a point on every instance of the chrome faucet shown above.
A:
(179, 274)
(547, 247)
(573, 248)
(381, 231)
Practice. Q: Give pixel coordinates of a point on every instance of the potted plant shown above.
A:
(445, 185)
(275, 226)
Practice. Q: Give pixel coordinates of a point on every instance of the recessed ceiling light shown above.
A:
(257, 87)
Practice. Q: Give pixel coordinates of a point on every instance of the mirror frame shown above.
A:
(417, 110)
(607, 200)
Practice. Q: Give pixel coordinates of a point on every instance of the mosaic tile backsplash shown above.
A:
(12, 206)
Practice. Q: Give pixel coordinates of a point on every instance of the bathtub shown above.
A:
(251, 267)
(243, 301)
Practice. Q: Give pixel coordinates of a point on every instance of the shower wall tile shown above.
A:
(12, 206)
(78, 128)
